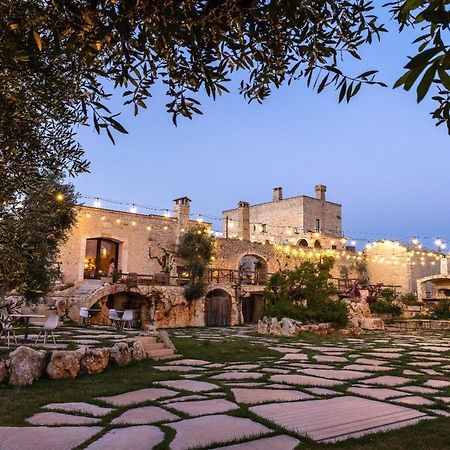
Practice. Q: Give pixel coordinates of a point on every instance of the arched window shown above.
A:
(317, 244)
(101, 256)
(303, 243)
(252, 269)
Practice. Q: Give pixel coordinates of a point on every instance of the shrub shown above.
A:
(410, 299)
(442, 310)
(383, 306)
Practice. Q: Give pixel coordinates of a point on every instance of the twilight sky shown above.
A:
(380, 156)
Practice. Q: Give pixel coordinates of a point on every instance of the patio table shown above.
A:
(27, 318)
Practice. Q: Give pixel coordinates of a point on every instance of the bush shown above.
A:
(322, 311)
(442, 310)
(410, 299)
(383, 306)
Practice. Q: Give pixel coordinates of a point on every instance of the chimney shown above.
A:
(320, 192)
(277, 194)
(444, 266)
(244, 220)
(181, 211)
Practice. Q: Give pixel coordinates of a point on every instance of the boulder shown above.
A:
(3, 371)
(370, 323)
(94, 360)
(357, 311)
(26, 365)
(139, 352)
(274, 327)
(263, 326)
(163, 336)
(121, 353)
(288, 327)
(65, 364)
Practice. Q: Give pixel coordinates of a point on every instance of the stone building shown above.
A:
(259, 240)
(301, 220)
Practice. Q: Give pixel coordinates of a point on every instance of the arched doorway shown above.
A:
(99, 254)
(303, 243)
(218, 309)
(252, 308)
(317, 244)
(252, 270)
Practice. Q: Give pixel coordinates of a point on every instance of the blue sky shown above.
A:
(380, 156)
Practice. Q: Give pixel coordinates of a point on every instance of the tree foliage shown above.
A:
(196, 248)
(305, 293)
(30, 234)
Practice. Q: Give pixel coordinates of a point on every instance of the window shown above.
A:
(317, 225)
(263, 228)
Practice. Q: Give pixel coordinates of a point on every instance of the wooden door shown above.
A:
(218, 310)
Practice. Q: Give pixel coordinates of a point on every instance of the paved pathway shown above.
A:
(326, 393)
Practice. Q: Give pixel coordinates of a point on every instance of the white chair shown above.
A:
(84, 314)
(114, 317)
(8, 329)
(50, 324)
(127, 318)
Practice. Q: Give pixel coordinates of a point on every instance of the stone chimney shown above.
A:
(181, 211)
(445, 266)
(244, 220)
(320, 192)
(277, 194)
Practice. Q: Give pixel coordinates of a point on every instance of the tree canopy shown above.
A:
(31, 232)
(57, 56)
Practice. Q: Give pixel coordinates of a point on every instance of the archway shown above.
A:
(217, 309)
(303, 243)
(252, 307)
(252, 270)
(100, 253)
(317, 244)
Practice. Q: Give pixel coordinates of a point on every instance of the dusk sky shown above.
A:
(380, 156)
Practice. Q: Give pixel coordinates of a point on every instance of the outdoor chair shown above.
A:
(114, 317)
(127, 318)
(50, 324)
(84, 314)
(8, 331)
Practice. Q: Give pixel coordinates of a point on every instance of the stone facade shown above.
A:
(288, 221)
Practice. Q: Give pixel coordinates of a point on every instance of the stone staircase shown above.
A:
(156, 349)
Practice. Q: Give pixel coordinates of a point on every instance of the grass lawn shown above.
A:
(19, 403)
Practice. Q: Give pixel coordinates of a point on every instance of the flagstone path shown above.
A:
(322, 392)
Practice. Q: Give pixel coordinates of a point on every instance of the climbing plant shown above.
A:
(196, 248)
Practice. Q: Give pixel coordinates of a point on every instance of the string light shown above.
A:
(97, 203)
(59, 197)
(133, 209)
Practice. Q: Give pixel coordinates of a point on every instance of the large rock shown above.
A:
(65, 364)
(263, 326)
(3, 371)
(26, 365)
(357, 311)
(372, 323)
(288, 327)
(94, 360)
(139, 352)
(121, 353)
(274, 327)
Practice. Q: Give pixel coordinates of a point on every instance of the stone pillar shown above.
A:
(181, 211)
(320, 192)
(277, 194)
(244, 221)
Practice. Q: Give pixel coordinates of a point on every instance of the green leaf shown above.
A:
(425, 83)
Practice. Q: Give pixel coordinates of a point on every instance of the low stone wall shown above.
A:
(25, 365)
(421, 325)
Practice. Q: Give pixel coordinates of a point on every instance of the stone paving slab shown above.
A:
(242, 367)
(281, 442)
(414, 400)
(204, 407)
(190, 385)
(54, 418)
(176, 368)
(80, 407)
(328, 358)
(419, 389)
(185, 398)
(322, 391)
(388, 380)
(337, 418)
(142, 437)
(139, 396)
(437, 383)
(337, 374)
(304, 380)
(295, 357)
(188, 362)
(45, 438)
(238, 376)
(255, 396)
(363, 367)
(208, 430)
(370, 362)
(377, 393)
(144, 415)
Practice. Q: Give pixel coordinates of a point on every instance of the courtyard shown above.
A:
(232, 388)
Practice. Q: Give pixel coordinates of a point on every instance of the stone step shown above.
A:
(160, 353)
(154, 346)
